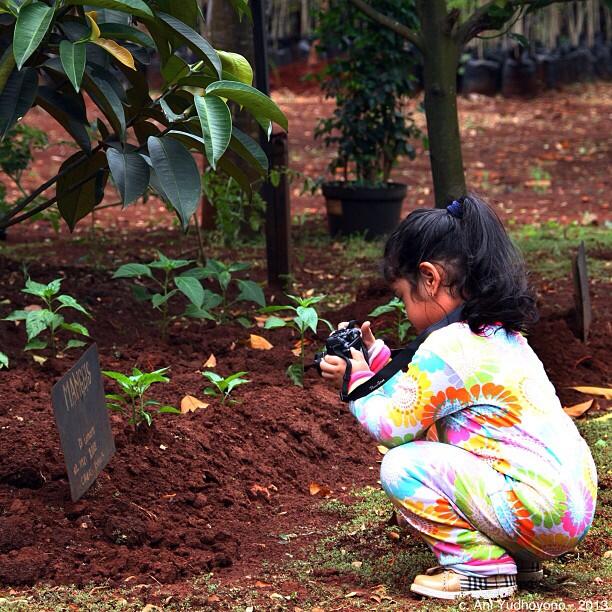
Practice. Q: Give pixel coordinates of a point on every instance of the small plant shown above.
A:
(222, 387)
(540, 179)
(203, 303)
(131, 401)
(306, 317)
(248, 291)
(39, 321)
(233, 211)
(402, 324)
(4, 360)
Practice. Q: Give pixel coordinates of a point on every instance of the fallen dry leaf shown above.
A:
(607, 554)
(211, 362)
(191, 404)
(577, 409)
(604, 392)
(259, 491)
(393, 535)
(262, 585)
(39, 359)
(317, 489)
(259, 343)
(32, 307)
(213, 599)
(383, 450)
(297, 347)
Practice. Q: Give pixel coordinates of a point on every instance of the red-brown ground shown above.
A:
(209, 490)
(216, 489)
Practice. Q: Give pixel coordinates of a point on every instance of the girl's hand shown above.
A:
(366, 333)
(333, 367)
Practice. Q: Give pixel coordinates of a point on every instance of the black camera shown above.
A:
(340, 343)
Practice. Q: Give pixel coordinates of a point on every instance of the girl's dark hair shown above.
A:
(480, 262)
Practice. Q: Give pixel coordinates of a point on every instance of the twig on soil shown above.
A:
(150, 514)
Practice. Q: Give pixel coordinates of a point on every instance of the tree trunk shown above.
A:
(441, 58)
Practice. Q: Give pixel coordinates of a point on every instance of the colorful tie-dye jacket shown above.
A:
(488, 394)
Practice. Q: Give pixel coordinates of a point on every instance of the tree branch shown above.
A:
(394, 25)
(480, 20)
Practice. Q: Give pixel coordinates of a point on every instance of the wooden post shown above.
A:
(278, 216)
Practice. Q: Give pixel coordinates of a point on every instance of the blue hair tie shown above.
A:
(455, 209)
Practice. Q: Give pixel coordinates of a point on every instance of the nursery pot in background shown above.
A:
(370, 211)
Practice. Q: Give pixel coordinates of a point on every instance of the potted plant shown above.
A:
(368, 76)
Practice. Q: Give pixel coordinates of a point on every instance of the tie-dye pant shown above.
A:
(468, 513)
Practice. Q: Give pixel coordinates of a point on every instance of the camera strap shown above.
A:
(400, 358)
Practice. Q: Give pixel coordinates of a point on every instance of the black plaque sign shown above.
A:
(82, 419)
(582, 296)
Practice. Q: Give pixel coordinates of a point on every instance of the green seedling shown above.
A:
(48, 320)
(165, 282)
(306, 317)
(402, 325)
(131, 401)
(540, 179)
(248, 291)
(222, 387)
(4, 360)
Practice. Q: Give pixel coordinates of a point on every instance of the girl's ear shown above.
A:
(430, 278)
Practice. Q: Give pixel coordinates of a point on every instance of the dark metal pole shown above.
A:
(278, 217)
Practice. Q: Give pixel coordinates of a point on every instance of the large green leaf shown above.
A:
(249, 150)
(238, 174)
(178, 175)
(33, 21)
(236, 67)
(106, 99)
(187, 11)
(68, 109)
(257, 103)
(250, 291)
(130, 173)
(73, 56)
(17, 98)
(77, 197)
(194, 41)
(7, 63)
(120, 31)
(216, 122)
(138, 8)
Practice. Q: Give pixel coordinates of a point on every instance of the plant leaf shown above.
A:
(134, 7)
(236, 67)
(17, 97)
(75, 328)
(76, 200)
(73, 57)
(259, 343)
(295, 374)
(249, 150)
(4, 360)
(605, 392)
(274, 322)
(133, 270)
(178, 175)
(309, 316)
(75, 344)
(578, 409)
(199, 45)
(33, 21)
(257, 103)
(216, 123)
(250, 291)
(130, 173)
(69, 302)
(120, 31)
(192, 288)
(120, 53)
(102, 92)
(190, 404)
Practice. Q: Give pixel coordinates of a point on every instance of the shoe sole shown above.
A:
(494, 593)
(526, 577)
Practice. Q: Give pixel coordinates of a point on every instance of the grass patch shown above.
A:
(550, 247)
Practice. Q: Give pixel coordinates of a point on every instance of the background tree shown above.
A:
(444, 30)
(56, 54)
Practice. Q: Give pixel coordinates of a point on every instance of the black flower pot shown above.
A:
(370, 211)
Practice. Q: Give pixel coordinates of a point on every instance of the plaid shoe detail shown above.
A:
(479, 583)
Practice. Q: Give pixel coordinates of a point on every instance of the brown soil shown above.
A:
(216, 488)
